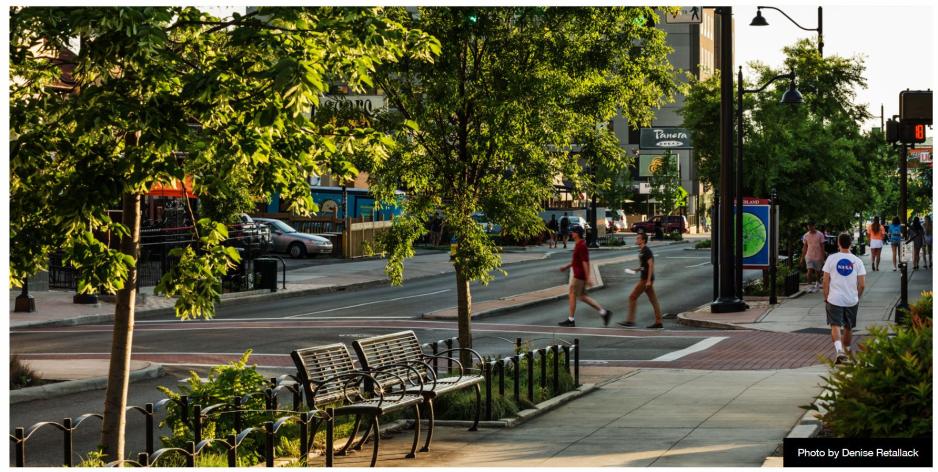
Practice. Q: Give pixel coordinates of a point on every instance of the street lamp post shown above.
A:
(727, 301)
(759, 20)
(792, 97)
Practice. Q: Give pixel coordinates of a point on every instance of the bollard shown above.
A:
(269, 443)
(67, 431)
(556, 352)
(531, 376)
(516, 366)
(488, 390)
(143, 459)
(190, 454)
(501, 377)
(576, 362)
(903, 305)
(543, 353)
(148, 408)
(304, 437)
(19, 434)
(330, 428)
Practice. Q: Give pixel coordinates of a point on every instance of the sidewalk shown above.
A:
(806, 313)
(648, 417)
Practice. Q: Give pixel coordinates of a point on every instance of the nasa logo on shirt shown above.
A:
(844, 267)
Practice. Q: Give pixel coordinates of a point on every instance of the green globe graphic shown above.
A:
(754, 235)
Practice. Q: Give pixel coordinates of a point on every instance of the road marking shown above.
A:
(275, 318)
(697, 265)
(369, 303)
(239, 354)
(687, 257)
(697, 347)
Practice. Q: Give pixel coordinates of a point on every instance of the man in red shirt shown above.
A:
(581, 279)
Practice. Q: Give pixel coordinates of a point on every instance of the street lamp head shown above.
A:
(759, 20)
(792, 96)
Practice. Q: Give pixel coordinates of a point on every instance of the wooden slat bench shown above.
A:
(401, 352)
(329, 377)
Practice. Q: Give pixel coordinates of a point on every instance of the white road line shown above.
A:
(697, 347)
(368, 303)
(697, 265)
(253, 354)
(274, 318)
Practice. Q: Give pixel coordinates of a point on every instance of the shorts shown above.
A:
(876, 244)
(928, 240)
(816, 265)
(842, 315)
(578, 286)
(895, 243)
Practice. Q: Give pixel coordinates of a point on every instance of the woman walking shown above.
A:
(928, 254)
(917, 237)
(895, 239)
(876, 233)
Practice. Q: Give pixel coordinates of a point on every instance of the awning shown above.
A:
(173, 190)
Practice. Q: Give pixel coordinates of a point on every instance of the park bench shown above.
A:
(329, 377)
(401, 352)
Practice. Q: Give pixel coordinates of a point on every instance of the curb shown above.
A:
(45, 392)
(806, 427)
(684, 320)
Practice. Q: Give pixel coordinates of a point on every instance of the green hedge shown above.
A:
(887, 390)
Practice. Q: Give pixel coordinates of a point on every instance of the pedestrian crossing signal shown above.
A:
(912, 134)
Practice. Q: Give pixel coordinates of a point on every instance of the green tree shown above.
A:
(813, 155)
(105, 102)
(495, 122)
(666, 186)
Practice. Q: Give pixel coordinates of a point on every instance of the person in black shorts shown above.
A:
(644, 285)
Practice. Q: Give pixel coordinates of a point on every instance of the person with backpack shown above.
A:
(895, 239)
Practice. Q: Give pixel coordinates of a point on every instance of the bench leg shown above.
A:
(351, 438)
(413, 449)
(426, 446)
(368, 431)
(374, 455)
(475, 424)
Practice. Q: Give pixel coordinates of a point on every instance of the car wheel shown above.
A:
(297, 251)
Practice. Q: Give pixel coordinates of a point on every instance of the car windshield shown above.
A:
(281, 226)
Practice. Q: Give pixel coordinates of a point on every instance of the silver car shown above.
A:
(297, 244)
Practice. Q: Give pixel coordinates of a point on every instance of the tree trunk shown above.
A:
(115, 399)
(464, 310)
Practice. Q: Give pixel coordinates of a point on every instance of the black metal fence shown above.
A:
(195, 416)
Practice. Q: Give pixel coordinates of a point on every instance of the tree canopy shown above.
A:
(508, 110)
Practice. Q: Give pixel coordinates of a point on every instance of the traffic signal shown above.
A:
(892, 131)
(912, 133)
(915, 106)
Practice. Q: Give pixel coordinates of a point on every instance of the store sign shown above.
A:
(369, 104)
(757, 233)
(665, 138)
(649, 164)
(922, 154)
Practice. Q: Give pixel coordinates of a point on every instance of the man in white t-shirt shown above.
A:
(844, 280)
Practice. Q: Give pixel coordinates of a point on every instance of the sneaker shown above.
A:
(626, 324)
(812, 289)
(654, 326)
(606, 317)
(841, 359)
(567, 323)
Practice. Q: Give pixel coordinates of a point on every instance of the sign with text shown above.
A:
(648, 164)
(665, 138)
(757, 233)
(686, 15)
(368, 104)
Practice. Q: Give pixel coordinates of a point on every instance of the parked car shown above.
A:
(615, 220)
(251, 236)
(669, 224)
(296, 244)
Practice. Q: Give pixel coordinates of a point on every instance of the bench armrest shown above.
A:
(462, 369)
(348, 379)
(383, 371)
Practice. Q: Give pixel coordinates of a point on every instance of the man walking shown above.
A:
(844, 281)
(553, 227)
(564, 228)
(812, 253)
(581, 279)
(645, 284)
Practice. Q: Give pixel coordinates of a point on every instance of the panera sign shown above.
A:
(665, 138)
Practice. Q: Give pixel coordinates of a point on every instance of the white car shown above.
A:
(297, 244)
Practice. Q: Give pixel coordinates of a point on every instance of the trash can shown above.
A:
(265, 269)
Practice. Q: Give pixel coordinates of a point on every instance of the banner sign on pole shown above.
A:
(757, 228)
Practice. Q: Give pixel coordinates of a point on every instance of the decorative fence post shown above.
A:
(488, 390)
(232, 450)
(67, 432)
(516, 366)
(148, 412)
(576, 362)
(269, 443)
(531, 376)
(555, 350)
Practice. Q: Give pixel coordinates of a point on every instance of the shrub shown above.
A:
(921, 309)
(676, 236)
(20, 374)
(887, 390)
(703, 244)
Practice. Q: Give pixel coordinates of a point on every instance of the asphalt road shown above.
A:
(274, 328)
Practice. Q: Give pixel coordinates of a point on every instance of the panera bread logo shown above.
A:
(665, 138)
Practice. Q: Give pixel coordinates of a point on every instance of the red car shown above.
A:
(669, 224)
